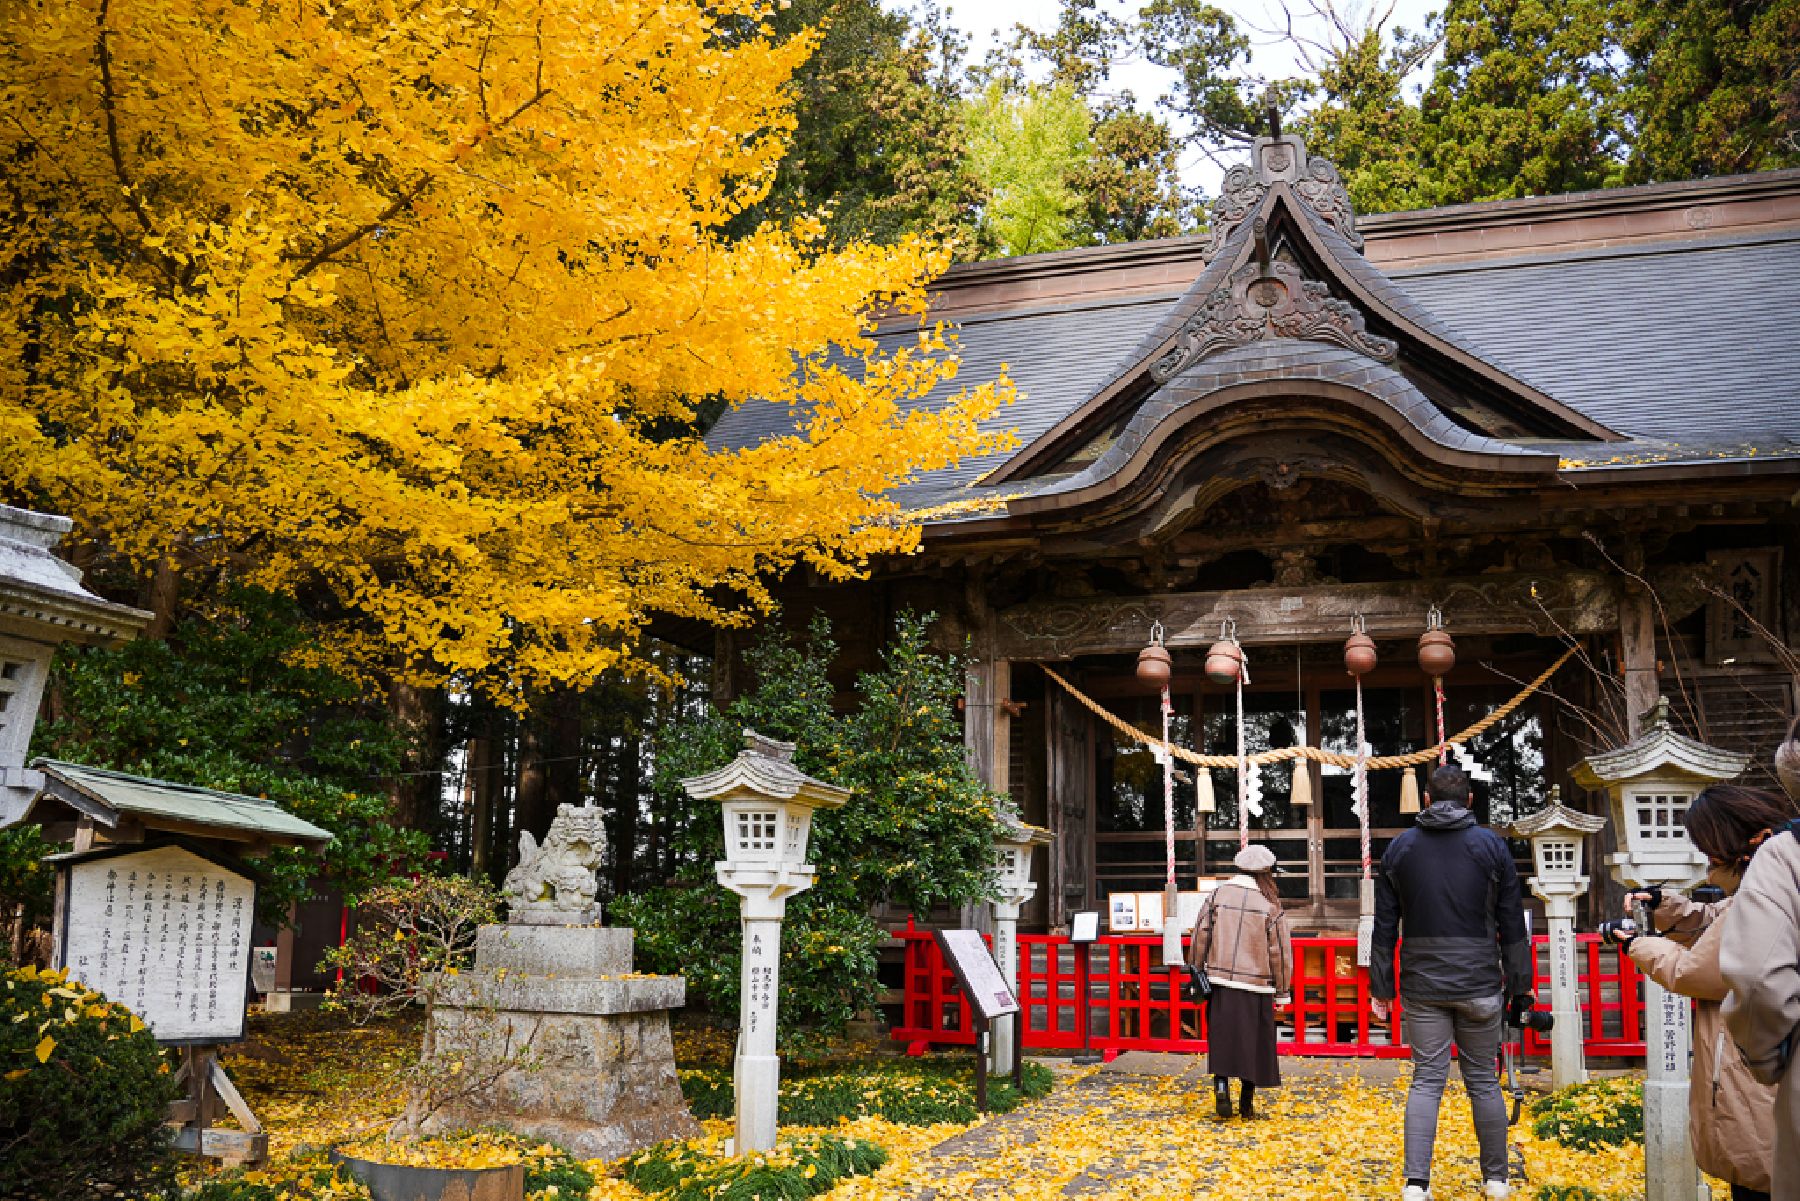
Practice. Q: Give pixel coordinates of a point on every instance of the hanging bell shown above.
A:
(1302, 792)
(1409, 790)
(1204, 801)
(1225, 661)
(1153, 661)
(1359, 649)
(1437, 650)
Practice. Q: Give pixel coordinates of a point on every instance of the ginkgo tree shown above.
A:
(415, 303)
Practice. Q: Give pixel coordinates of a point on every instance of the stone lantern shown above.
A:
(1558, 838)
(1651, 781)
(768, 805)
(1014, 849)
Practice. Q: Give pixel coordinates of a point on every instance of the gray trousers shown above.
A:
(1473, 1027)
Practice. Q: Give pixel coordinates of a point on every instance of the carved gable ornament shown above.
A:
(1281, 160)
(1266, 299)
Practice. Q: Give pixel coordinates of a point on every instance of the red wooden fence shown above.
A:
(1133, 1004)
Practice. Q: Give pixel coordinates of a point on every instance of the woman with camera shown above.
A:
(1731, 1117)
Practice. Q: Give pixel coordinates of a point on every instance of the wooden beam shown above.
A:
(1637, 650)
(1572, 601)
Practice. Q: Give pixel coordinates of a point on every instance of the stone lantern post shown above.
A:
(768, 805)
(1014, 849)
(1558, 837)
(1651, 781)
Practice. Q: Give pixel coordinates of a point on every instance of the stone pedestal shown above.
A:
(595, 1064)
(1669, 1171)
(1006, 956)
(1568, 1064)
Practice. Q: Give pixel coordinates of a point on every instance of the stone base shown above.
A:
(601, 1085)
(595, 1063)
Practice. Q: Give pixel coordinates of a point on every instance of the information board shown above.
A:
(976, 971)
(164, 932)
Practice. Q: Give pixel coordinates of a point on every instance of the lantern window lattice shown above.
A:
(1558, 857)
(1662, 815)
(756, 833)
(795, 849)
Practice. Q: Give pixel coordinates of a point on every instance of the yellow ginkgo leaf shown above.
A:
(44, 1047)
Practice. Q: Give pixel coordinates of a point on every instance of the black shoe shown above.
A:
(1222, 1096)
(1246, 1108)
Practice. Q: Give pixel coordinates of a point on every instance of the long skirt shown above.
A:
(1240, 1036)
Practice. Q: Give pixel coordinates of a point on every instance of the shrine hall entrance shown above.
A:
(1299, 695)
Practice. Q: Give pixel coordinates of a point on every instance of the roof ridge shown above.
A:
(42, 762)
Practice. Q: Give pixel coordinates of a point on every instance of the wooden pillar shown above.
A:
(1637, 653)
(1069, 805)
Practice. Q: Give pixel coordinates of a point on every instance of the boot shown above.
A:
(1222, 1096)
(1246, 1108)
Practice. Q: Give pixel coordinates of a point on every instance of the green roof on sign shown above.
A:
(106, 796)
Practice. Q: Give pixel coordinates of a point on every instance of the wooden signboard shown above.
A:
(164, 931)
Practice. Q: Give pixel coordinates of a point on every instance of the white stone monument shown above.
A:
(1015, 887)
(1651, 781)
(1558, 837)
(768, 806)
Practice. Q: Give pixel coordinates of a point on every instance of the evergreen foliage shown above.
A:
(807, 1166)
(916, 833)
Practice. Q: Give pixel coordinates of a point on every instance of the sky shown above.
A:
(988, 22)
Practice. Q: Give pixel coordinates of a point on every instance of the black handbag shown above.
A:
(1199, 986)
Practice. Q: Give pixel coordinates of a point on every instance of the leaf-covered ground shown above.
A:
(1124, 1131)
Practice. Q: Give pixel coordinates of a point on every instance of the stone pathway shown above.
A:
(1142, 1127)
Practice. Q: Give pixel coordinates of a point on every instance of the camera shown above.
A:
(1521, 1014)
(1618, 930)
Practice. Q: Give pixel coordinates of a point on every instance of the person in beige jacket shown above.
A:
(1759, 960)
(1731, 1116)
(1242, 942)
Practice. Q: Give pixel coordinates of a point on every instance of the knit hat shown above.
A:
(1255, 859)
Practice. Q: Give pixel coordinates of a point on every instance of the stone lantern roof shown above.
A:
(1658, 748)
(1556, 816)
(765, 768)
(1020, 831)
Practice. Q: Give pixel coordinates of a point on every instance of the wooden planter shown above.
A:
(403, 1182)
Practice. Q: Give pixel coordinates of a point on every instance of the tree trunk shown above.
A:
(531, 794)
(563, 749)
(627, 784)
(417, 715)
(162, 596)
(484, 775)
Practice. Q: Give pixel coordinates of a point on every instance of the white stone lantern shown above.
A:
(1558, 837)
(1013, 850)
(768, 805)
(1651, 781)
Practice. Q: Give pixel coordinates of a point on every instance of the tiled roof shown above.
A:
(1687, 347)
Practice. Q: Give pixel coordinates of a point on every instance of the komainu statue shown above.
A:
(553, 884)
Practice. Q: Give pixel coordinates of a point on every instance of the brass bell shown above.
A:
(1437, 650)
(1359, 650)
(1153, 665)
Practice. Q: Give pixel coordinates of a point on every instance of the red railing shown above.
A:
(1133, 1004)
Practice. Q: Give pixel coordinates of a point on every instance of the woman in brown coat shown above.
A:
(1242, 942)
(1731, 1116)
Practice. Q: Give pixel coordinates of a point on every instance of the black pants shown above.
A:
(1740, 1193)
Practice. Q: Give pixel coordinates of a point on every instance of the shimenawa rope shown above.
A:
(1317, 755)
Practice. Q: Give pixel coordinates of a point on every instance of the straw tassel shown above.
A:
(1302, 793)
(1409, 791)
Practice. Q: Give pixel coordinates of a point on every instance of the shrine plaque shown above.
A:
(164, 932)
(977, 972)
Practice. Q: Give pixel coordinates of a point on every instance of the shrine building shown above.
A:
(1561, 422)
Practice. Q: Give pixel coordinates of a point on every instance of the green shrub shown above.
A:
(912, 1094)
(84, 1089)
(1568, 1192)
(798, 1168)
(1587, 1117)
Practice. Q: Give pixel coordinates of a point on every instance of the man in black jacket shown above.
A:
(1451, 883)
